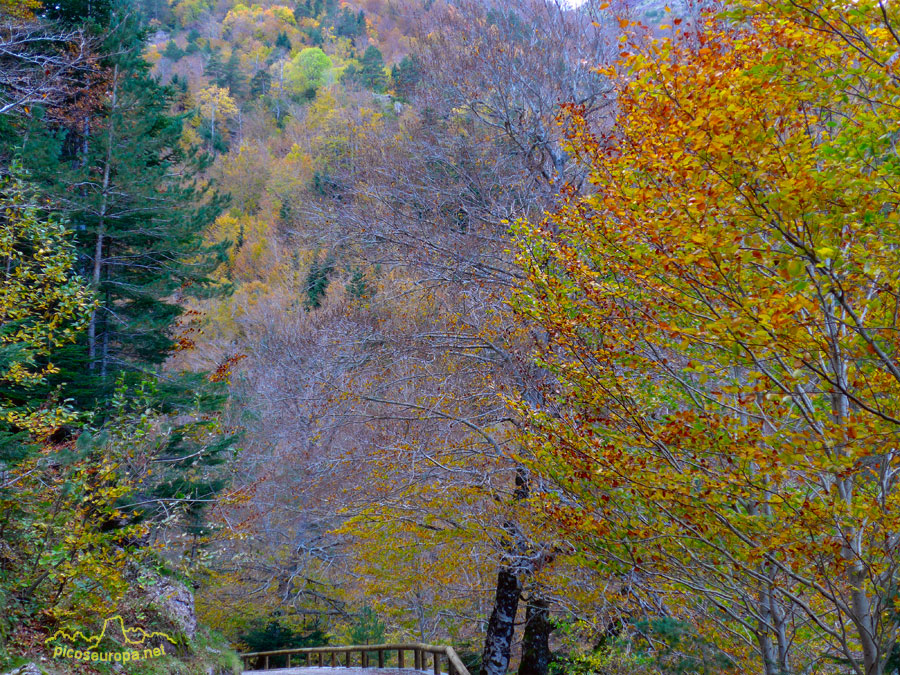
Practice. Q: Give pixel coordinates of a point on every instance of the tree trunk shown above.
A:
(536, 641)
(212, 127)
(101, 224)
(502, 624)
(498, 641)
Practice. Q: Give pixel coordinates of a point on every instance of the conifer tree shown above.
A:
(405, 75)
(232, 77)
(172, 51)
(260, 84)
(215, 68)
(80, 12)
(283, 42)
(372, 71)
(132, 193)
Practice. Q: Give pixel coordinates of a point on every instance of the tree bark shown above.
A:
(97, 272)
(498, 641)
(536, 641)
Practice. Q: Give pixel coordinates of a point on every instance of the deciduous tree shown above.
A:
(720, 313)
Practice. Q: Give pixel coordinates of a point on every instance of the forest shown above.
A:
(561, 333)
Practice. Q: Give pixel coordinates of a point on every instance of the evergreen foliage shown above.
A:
(271, 635)
(314, 35)
(232, 76)
(215, 68)
(93, 13)
(357, 287)
(283, 42)
(371, 72)
(103, 213)
(260, 84)
(172, 51)
(138, 222)
(317, 282)
(350, 24)
(405, 76)
(367, 628)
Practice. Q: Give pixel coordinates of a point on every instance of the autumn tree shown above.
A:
(720, 426)
(432, 201)
(40, 63)
(43, 305)
(217, 106)
(510, 67)
(483, 74)
(20, 9)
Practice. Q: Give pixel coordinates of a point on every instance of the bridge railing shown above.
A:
(343, 657)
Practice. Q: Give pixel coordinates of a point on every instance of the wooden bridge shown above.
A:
(390, 658)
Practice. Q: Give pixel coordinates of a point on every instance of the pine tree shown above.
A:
(317, 282)
(405, 75)
(283, 42)
(232, 77)
(172, 51)
(314, 35)
(307, 9)
(114, 168)
(215, 68)
(260, 84)
(80, 12)
(350, 24)
(132, 194)
(371, 73)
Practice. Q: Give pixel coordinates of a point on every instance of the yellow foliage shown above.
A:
(22, 9)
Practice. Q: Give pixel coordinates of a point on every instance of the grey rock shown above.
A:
(27, 669)
(175, 601)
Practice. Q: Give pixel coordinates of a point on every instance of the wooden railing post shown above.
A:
(320, 656)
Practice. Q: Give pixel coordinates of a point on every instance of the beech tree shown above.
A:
(218, 107)
(40, 63)
(43, 305)
(510, 66)
(722, 335)
(433, 203)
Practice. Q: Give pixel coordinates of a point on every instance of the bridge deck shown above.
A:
(335, 671)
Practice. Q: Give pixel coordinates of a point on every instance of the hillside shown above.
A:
(563, 334)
